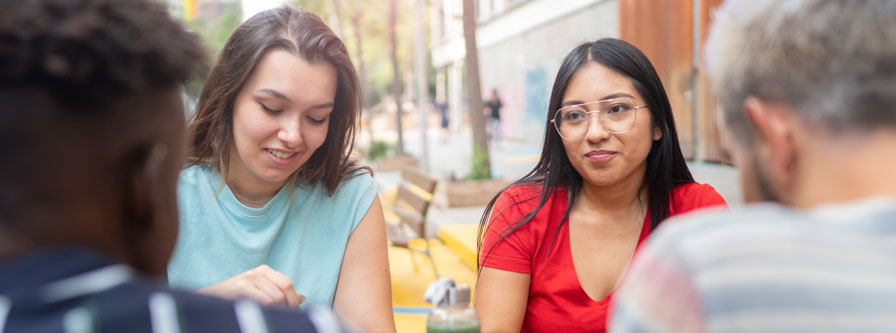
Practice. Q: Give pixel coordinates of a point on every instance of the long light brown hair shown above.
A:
(305, 35)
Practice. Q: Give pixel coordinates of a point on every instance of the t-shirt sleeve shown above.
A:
(514, 251)
(359, 193)
(659, 293)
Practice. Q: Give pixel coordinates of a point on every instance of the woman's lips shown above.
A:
(600, 155)
(281, 157)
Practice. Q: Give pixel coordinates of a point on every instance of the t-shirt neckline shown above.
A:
(645, 231)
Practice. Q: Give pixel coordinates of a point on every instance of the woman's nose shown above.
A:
(291, 133)
(596, 131)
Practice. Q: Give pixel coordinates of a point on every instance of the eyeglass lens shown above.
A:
(616, 116)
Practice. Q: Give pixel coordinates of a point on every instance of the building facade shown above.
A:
(521, 45)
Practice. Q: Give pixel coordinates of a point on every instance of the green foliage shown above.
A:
(373, 16)
(378, 149)
(214, 35)
(480, 171)
(318, 7)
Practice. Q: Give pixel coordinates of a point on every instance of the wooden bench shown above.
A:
(412, 201)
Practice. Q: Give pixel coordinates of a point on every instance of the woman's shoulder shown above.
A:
(695, 195)
(522, 192)
(357, 181)
(524, 197)
(351, 188)
(194, 174)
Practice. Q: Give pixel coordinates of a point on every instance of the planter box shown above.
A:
(468, 192)
(397, 163)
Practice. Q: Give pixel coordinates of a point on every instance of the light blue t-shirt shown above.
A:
(304, 239)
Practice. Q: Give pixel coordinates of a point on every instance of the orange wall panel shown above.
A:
(663, 30)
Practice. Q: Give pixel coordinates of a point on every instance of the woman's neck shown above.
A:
(618, 197)
(249, 189)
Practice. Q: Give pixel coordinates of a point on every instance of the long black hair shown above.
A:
(665, 169)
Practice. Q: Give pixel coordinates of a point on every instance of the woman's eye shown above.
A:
(317, 121)
(269, 110)
(618, 108)
(575, 116)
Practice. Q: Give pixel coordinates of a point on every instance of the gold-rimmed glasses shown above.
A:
(617, 115)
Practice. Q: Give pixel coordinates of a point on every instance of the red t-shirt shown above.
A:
(557, 302)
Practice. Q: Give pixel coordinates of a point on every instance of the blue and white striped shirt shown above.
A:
(766, 268)
(79, 290)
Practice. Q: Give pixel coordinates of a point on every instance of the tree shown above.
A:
(214, 34)
(420, 72)
(362, 67)
(481, 160)
(396, 76)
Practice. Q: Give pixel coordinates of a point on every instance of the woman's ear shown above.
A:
(657, 133)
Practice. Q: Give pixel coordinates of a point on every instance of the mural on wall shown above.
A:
(536, 93)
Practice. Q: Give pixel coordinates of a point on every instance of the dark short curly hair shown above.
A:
(84, 52)
(65, 65)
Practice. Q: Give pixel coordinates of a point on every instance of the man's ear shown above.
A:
(774, 124)
(143, 165)
(140, 200)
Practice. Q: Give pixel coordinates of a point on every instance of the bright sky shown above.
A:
(252, 7)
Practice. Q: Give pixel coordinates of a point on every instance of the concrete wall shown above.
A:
(523, 66)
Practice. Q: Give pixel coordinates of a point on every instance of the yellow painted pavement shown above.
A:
(461, 239)
(408, 284)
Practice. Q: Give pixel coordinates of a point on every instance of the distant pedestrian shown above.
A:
(494, 106)
(442, 107)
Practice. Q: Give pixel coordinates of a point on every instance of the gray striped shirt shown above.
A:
(766, 268)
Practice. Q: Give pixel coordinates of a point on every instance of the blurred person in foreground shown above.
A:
(808, 92)
(91, 143)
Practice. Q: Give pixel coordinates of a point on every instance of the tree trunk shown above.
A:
(335, 20)
(362, 68)
(420, 69)
(396, 76)
(481, 163)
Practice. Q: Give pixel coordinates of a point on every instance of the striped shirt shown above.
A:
(766, 268)
(78, 290)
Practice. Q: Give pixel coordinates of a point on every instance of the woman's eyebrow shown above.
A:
(274, 93)
(279, 95)
(323, 106)
(610, 96)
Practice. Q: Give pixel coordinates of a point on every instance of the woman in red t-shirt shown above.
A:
(554, 245)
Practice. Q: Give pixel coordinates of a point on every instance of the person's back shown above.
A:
(807, 90)
(81, 290)
(91, 143)
(769, 268)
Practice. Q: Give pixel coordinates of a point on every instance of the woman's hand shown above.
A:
(262, 284)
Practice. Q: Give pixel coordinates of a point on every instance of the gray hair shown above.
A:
(833, 62)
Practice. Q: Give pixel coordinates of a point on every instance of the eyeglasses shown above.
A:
(617, 116)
